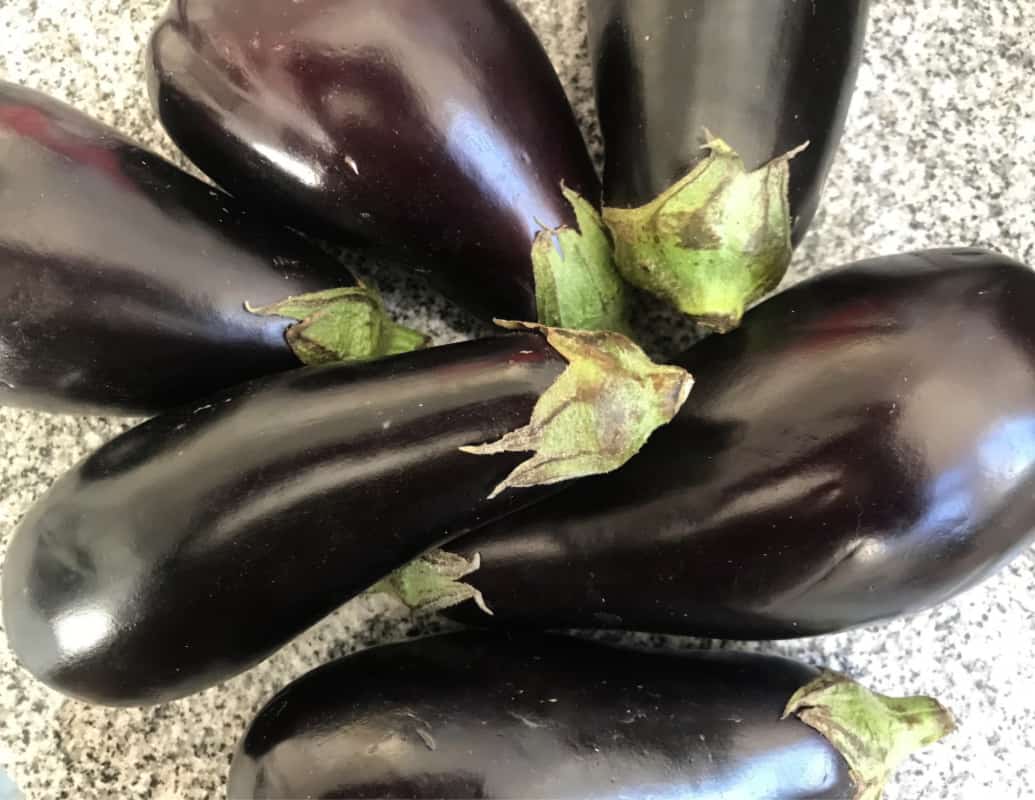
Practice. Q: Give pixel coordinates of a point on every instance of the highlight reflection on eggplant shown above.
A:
(193, 546)
(482, 716)
(123, 280)
(862, 447)
(758, 79)
(437, 129)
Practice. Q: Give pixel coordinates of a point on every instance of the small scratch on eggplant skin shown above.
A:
(422, 729)
(526, 721)
(427, 738)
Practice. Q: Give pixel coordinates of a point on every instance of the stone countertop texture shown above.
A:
(939, 150)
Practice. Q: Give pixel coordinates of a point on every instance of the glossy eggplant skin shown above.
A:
(862, 447)
(764, 76)
(483, 716)
(435, 128)
(191, 547)
(123, 279)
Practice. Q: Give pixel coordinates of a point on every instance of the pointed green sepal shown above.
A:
(577, 284)
(713, 242)
(597, 414)
(431, 582)
(874, 733)
(346, 324)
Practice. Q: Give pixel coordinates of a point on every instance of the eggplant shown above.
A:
(194, 545)
(483, 716)
(862, 447)
(124, 280)
(702, 105)
(435, 129)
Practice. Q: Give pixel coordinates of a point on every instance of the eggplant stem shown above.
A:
(431, 582)
(715, 241)
(596, 415)
(874, 733)
(577, 284)
(345, 324)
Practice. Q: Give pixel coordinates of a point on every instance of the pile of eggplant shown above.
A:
(855, 448)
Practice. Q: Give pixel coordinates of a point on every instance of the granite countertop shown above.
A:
(939, 150)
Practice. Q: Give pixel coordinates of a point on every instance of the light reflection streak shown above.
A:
(83, 630)
(1002, 456)
(490, 162)
(291, 164)
(1008, 450)
(763, 775)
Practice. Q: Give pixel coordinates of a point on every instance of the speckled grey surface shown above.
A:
(940, 149)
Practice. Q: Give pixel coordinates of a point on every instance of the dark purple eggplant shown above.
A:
(437, 129)
(123, 280)
(191, 547)
(862, 447)
(483, 716)
(752, 82)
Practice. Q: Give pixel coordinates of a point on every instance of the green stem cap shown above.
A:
(576, 282)
(431, 582)
(597, 414)
(712, 243)
(346, 324)
(874, 733)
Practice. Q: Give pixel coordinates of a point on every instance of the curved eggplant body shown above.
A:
(469, 716)
(123, 280)
(433, 127)
(765, 76)
(194, 545)
(863, 447)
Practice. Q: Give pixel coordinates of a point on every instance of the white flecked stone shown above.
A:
(939, 150)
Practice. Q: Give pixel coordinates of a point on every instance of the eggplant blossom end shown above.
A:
(874, 733)
(577, 284)
(344, 324)
(715, 241)
(597, 414)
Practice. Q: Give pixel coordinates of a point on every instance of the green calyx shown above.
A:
(346, 324)
(576, 282)
(597, 414)
(713, 242)
(431, 582)
(873, 733)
